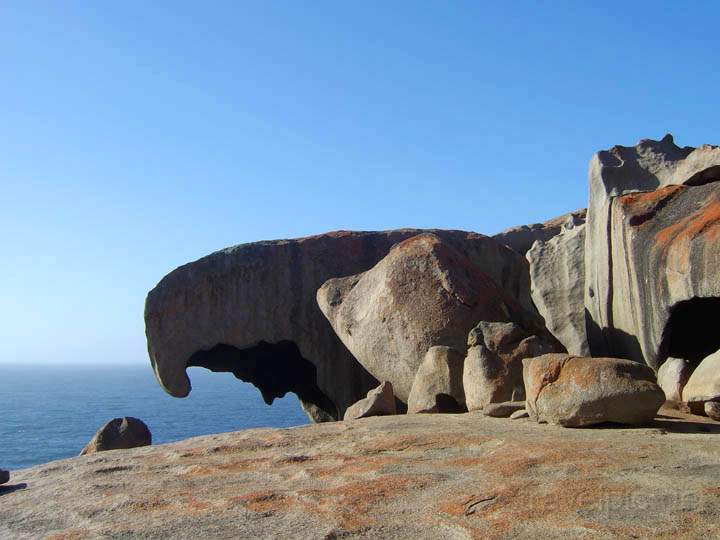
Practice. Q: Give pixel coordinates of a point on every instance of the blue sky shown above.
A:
(137, 136)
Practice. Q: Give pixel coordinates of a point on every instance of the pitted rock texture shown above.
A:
(493, 370)
(646, 252)
(119, 434)
(557, 284)
(251, 310)
(704, 383)
(574, 391)
(522, 237)
(429, 290)
(409, 476)
(380, 401)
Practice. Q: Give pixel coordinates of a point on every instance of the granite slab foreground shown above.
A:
(419, 476)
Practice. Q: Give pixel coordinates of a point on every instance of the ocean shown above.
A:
(51, 412)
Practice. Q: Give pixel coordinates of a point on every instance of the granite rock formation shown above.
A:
(522, 237)
(504, 409)
(704, 383)
(672, 377)
(557, 284)
(429, 290)
(651, 251)
(438, 385)
(493, 370)
(251, 310)
(119, 434)
(380, 401)
(574, 391)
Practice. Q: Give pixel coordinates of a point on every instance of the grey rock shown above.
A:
(503, 410)
(380, 401)
(712, 409)
(429, 290)
(522, 237)
(522, 413)
(557, 284)
(438, 384)
(672, 377)
(251, 310)
(4, 476)
(574, 391)
(649, 247)
(119, 434)
(704, 383)
(493, 370)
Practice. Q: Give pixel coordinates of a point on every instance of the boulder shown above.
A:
(429, 290)
(503, 410)
(557, 284)
(438, 384)
(4, 476)
(119, 434)
(712, 409)
(522, 237)
(651, 251)
(672, 377)
(493, 370)
(380, 401)
(574, 391)
(704, 383)
(251, 310)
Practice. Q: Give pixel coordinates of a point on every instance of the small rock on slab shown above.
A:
(712, 409)
(4, 476)
(438, 385)
(522, 413)
(119, 434)
(672, 376)
(380, 401)
(503, 410)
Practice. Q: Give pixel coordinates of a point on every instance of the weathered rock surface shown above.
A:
(438, 385)
(649, 253)
(429, 290)
(672, 377)
(4, 476)
(415, 476)
(522, 413)
(574, 391)
(704, 383)
(557, 284)
(522, 237)
(251, 310)
(503, 410)
(493, 370)
(712, 409)
(119, 434)
(380, 401)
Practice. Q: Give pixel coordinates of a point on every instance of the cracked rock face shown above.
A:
(251, 310)
(650, 244)
(429, 290)
(557, 284)
(574, 391)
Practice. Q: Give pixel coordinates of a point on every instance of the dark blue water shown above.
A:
(49, 413)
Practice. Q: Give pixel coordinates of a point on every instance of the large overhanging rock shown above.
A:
(251, 310)
(429, 290)
(557, 284)
(648, 253)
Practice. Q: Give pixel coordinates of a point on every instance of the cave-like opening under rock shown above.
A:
(691, 331)
(273, 368)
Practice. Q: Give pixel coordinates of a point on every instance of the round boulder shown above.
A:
(119, 434)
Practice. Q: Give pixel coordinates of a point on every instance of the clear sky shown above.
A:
(136, 136)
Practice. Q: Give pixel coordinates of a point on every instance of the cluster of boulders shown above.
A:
(567, 322)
